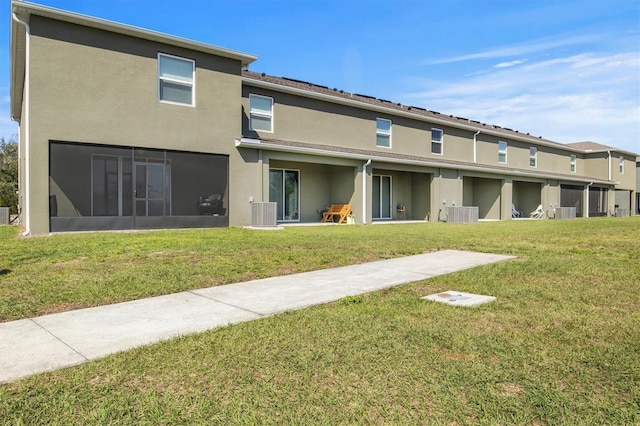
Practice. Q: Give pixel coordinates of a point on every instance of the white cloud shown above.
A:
(510, 64)
(580, 97)
(519, 49)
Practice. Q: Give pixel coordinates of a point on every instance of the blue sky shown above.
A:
(566, 70)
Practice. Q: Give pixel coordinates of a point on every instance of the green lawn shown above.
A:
(560, 346)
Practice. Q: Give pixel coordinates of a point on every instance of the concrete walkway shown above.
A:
(55, 341)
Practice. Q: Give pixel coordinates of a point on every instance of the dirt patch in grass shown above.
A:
(453, 355)
(509, 390)
(71, 262)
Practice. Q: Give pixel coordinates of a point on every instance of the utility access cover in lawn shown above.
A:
(457, 298)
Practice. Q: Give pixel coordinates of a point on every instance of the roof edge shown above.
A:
(15, 87)
(590, 147)
(24, 10)
(126, 29)
(407, 114)
(248, 78)
(252, 143)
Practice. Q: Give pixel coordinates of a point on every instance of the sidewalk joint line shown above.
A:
(227, 304)
(59, 339)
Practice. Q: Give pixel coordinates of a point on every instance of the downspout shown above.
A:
(609, 154)
(27, 129)
(364, 191)
(475, 147)
(586, 204)
(260, 162)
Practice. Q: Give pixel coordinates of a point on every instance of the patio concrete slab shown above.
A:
(59, 340)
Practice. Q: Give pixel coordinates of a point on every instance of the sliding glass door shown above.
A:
(284, 189)
(381, 197)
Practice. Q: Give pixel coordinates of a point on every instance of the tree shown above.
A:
(9, 174)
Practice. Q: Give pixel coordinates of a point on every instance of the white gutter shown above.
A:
(257, 144)
(364, 191)
(611, 148)
(26, 209)
(609, 154)
(475, 147)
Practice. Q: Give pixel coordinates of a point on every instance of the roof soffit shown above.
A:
(17, 53)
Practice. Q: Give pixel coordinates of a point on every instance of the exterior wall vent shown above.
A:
(462, 214)
(264, 214)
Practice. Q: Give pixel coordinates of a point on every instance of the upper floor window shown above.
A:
(437, 137)
(502, 152)
(176, 79)
(621, 164)
(573, 164)
(533, 157)
(261, 113)
(383, 132)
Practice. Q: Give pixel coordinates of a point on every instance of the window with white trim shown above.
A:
(383, 132)
(437, 137)
(260, 113)
(573, 164)
(176, 80)
(533, 157)
(621, 165)
(502, 152)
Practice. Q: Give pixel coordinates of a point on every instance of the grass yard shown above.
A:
(560, 346)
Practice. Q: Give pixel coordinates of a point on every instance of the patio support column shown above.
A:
(611, 200)
(436, 200)
(364, 191)
(506, 195)
(585, 200)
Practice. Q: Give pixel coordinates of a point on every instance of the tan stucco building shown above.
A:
(125, 128)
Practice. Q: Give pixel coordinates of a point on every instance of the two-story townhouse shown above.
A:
(126, 128)
(339, 147)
